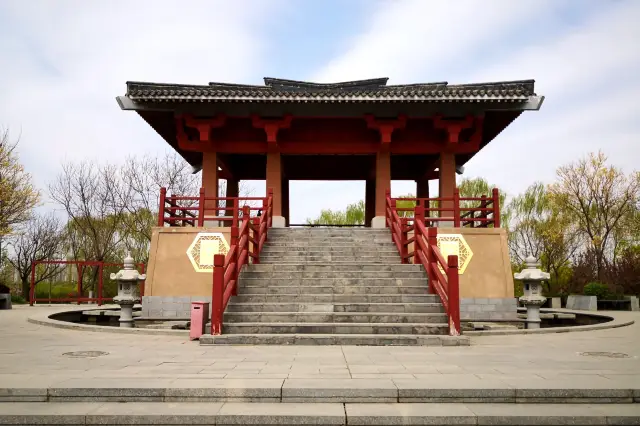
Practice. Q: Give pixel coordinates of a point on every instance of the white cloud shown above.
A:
(587, 70)
(65, 62)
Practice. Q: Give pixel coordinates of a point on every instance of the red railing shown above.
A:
(247, 241)
(426, 253)
(178, 210)
(474, 212)
(78, 297)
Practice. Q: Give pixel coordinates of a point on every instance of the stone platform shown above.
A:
(52, 375)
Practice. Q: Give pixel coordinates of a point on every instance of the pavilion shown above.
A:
(359, 130)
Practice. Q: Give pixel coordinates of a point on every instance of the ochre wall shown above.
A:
(170, 272)
(489, 271)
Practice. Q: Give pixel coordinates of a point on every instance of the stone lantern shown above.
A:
(128, 295)
(532, 299)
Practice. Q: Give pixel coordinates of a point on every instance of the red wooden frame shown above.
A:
(177, 210)
(247, 241)
(80, 264)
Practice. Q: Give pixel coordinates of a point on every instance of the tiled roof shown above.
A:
(373, 90)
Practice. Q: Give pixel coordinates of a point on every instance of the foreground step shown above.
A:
(207, 413)
(335, 317)
(335, 339)
(329, 290)
(296, 306)
(333, 328)
(336, 298)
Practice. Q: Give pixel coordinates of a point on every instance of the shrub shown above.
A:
(601, 291)
(17, 299)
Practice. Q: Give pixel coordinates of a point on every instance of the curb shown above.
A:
(612, 323)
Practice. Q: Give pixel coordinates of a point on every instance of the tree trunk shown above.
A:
(26, 287)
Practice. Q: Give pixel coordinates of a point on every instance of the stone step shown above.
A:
(333, 274)
(346, 290)
(335, 317)
(321, 241)
(334, 339)
(281, 282)
(234, 306)
(339, 259)
(332, 267)
(332, 328)
(328, 249)
(336, 298)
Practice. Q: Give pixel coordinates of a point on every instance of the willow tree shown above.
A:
(18, 195)
(353, 215)
(598, 197)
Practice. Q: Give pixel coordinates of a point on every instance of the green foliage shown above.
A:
(601, 291)
(17, 300)
(18, 195)
(352, 215)
(478, 187)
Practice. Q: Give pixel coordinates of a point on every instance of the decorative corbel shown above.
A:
(186, 144)
(272, 126)
(204, 125)
(453, 127)
(385, 126)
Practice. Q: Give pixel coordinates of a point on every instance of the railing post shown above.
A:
(100, 282)
(255, 230)
(394, 206)
(496, 207)
(142, 271)
(163, 197)
(453, 295)
(246, 215)
(80, 272)
(32, 288)
(432, 241)
(404, 237)
(201, 208)
(217, 294)
(388, 215)
(418, 218)
(456, 207)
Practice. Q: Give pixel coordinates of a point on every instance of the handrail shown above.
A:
(446, 285)
(247, 241)
(178, 210)
(426, 253)
(457, 209)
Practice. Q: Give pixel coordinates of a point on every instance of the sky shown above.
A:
(62, 63)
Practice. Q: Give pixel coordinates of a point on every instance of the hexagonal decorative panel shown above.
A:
(455, 244)
(204, 246)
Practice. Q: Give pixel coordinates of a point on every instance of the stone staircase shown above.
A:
(333, 286)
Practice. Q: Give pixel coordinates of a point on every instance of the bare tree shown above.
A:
(599, 197)
(39, 239)
(89, 195)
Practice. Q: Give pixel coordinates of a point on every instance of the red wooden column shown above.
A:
(385, 128)
(274, 164)
(383, 183)
(447, 184)
(369, 201)
(233, 190)
(210, 183)
(422, 191)
(285, 200)
(274, 180)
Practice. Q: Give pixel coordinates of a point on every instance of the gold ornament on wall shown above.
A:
(204, 246)
(455, 244)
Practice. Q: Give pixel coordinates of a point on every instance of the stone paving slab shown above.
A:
(234, 413)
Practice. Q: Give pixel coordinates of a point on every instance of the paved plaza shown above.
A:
(33, 355)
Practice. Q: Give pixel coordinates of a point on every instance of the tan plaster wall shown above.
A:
(170, 271)
(489, 271)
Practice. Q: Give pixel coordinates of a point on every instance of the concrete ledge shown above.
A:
(159, 413)
(612, 323)
(44, 319)
(438, 388)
